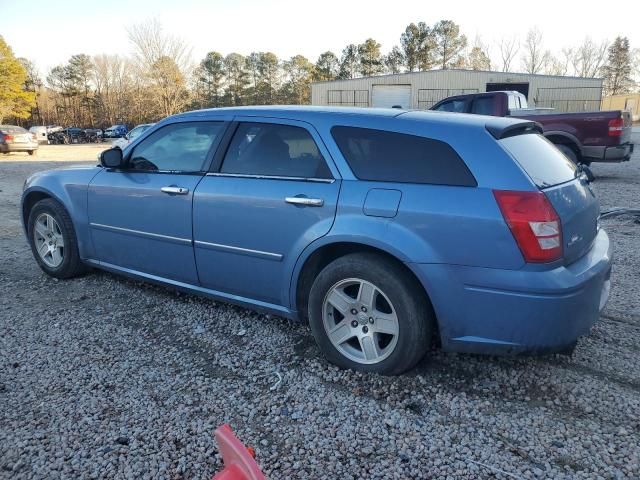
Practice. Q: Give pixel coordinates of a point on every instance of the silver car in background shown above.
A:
(17, 139)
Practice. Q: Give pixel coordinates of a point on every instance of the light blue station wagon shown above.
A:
(388, 230)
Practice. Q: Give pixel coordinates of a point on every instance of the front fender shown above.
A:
(68, 186)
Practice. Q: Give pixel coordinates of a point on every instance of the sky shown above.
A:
(48, 32)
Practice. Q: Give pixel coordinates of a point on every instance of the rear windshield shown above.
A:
(542, 161)
(382, 156)
(11, 129)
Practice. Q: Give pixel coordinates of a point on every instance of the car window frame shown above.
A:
(155, 128)
(221, 153)
(465, 105)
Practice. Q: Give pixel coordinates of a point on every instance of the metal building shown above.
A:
(421, 90)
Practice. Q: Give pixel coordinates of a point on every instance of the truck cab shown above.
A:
(584, 137)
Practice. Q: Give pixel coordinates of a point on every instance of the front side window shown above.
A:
(274, 150)
(452, 106)
(382, 156)
(181, 147)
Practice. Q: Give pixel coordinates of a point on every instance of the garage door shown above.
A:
(391, 95)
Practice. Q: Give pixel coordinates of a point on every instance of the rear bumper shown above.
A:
(493, 311)
(617, 153)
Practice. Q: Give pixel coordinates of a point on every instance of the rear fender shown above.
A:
(381, 234)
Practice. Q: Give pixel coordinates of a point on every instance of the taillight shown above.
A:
(534, 223)
(8, 138)
(616, 126)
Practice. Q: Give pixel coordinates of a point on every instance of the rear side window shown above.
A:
(542, 161)
(382, 156)
(452, 106)
(482, 106)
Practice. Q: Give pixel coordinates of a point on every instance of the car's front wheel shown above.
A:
(53, 240)
(367, 313)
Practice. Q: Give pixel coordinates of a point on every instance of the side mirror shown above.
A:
(112, 158)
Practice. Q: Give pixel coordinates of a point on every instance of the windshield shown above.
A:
(540, 159)
(136, 132)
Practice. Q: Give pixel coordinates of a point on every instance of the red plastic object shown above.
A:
(238, 459)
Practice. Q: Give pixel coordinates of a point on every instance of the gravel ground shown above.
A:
(102, 377)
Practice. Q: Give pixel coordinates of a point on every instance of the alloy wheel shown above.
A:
(360, 321)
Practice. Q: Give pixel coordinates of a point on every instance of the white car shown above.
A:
(131, 136)
(41, 133)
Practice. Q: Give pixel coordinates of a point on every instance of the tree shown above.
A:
(449, 43)
(558, 65)
(237, 78)
(479, 56)
(327, 67)
(588, 58)
(418, 44)
(80, 70)
(163, 59)
(270, 77)
(209, 77)
(299, 72)
(617, 71)
(33, 83)
(169, 83)
(15, 101)
(349, 62)
(535, 57)
(508, 50)
(394, 60)
(370, 58)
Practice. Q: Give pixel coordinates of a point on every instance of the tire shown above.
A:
(71, 265)
(568, 152)
(395, 294)
(31, 152)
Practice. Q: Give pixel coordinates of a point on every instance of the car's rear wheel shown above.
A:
(368, 314)
(53, 240)
(31, 152)
(569, 152)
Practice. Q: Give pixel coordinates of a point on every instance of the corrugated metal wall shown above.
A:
(565, 94)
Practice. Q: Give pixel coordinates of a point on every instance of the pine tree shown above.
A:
(617, 71)
(370, 58)
(449, 43)
(327, 67)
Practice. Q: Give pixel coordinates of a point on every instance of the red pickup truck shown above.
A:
(584, 137)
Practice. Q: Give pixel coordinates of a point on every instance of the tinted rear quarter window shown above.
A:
(383, 156)
(542, 161)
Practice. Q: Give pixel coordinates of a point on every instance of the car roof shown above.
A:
(309, 113)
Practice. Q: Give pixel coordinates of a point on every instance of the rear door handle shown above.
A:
(307, 202)
(175, 190)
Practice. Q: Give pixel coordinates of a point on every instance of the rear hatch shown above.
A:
(568, 191)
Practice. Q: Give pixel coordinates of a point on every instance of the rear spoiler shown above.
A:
(504, 129)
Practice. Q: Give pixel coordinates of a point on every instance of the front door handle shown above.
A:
(307, 202)
(175, 190)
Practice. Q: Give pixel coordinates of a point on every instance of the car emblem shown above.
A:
(574, 239)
